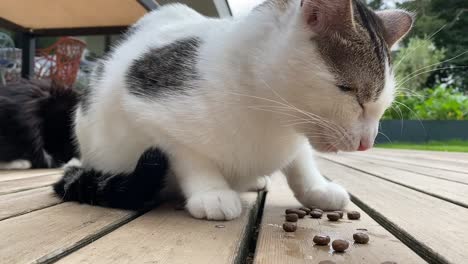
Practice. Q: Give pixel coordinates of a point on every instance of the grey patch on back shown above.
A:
(358, 57)
(96, 75)
(164, 70)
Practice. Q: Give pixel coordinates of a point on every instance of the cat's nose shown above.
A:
(365, 144)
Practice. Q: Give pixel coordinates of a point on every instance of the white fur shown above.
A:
(234, 125)
(15, 165)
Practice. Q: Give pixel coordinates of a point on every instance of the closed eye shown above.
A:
(345, 88)
(348, 89)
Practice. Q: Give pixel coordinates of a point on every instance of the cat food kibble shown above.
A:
(299, 213)
(340, 245)
(316, 214)
(289, 227)
(354, 215)
(318, 210)
(340, 213)
(321, 240)
(305, 209)
(291, 217)
(333, 216)
(361, 238)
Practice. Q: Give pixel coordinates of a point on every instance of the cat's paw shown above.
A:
(215, 205)
(328, 197)
(16, 165)
(262, 184)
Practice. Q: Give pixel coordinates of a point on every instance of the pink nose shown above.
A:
(365, 145)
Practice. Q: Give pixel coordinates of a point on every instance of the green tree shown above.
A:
(451, 18)
(414, 63)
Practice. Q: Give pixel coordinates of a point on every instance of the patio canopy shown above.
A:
(36, 18)
(69, 17)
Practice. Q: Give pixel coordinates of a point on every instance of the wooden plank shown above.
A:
(448, 166)
(165, 235)
(276, 246)
(19, 203)
(434, 228)
(441, 155)
(28, 183)
(47, 234)
(450, 157)
(447, 190)
(8, 175)
(433, 172)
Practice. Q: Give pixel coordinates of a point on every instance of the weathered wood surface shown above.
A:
(417, 201)
(44, 235)
(433, 172)
(166, 235)
(447, 190)
(435, 228)
(276, 246)
(408, 159)
(28, 183)
(19, 203)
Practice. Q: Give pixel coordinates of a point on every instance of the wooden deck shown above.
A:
(413, 204)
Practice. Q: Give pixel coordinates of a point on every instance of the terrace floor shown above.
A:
(413, 204)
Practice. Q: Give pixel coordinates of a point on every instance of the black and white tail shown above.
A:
(137, 190)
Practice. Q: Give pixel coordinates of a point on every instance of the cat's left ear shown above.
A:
(328, 16)
(397, 23)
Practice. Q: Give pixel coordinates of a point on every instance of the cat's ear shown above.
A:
(325, 16)
(397, 23)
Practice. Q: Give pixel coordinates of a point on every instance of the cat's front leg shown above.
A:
(310, 187)
(207, 192)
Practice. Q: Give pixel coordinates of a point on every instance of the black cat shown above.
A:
(36, 124)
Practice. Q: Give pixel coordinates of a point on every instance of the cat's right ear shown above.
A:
(327, 16)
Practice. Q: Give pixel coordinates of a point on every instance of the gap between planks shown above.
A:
(457, 177)
(276, 246)
(165, 235)
(449, 191)
(434, 228)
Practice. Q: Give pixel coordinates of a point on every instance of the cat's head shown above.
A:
(337, 68)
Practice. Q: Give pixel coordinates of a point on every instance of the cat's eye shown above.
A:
(345, 88)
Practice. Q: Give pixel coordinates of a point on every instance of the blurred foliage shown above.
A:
(446, 22)
(414, 63)
(440, 103)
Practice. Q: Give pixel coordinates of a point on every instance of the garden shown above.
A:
(431, 69)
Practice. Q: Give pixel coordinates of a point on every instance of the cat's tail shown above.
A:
(137, 190)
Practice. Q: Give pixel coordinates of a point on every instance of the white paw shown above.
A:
(15, 165)
(263, 183)
(328, 197)
(215, 205)
(74, 162)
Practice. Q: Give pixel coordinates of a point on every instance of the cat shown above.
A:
(36, 125)
(212, 105)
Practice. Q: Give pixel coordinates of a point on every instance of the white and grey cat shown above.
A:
(214, 104)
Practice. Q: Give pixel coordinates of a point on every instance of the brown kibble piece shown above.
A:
(354, 215)
(305, 209)
(321, 240)
(340, 245)
(333, 216)
(340, 213)
(299, 213)
(291, 217)
(316, 214)
(318, 210)
(289, 227)
(361, 238)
